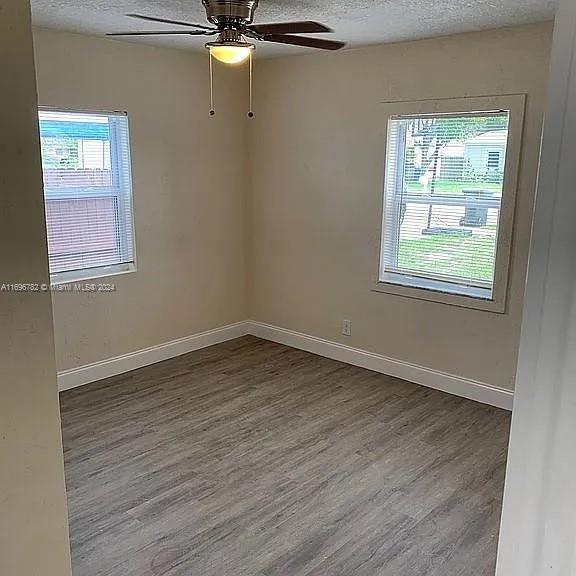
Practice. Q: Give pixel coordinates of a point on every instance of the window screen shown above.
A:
(87, 189)
(442, 198)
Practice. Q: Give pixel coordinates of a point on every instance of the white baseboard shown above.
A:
(450, 383)
(118, 365)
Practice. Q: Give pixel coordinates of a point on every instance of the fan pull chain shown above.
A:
(250, 112)
(212, 112)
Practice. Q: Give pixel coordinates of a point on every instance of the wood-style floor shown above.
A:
(253, 459)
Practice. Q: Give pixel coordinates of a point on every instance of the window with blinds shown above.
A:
(442, 201)
(88, 193)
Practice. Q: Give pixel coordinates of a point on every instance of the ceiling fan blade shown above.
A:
(304, 41)
(165, 33)
(306, 27)
(166, 21)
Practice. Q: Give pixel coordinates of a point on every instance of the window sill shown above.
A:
(91, 273)
(475, 298)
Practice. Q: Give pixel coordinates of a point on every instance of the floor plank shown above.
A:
(252, 458)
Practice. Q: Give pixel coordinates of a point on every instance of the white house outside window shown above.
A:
(450, 180)
(88, 193)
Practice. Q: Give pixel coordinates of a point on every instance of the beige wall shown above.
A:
(188, 179)
(33, 523)
(317, 164)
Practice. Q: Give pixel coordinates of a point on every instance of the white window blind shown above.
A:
(88, 192)
(442, 199)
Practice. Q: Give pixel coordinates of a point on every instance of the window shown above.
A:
(449, 189)
(88, 193)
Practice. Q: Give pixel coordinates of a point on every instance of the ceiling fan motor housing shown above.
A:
(230, 11)
(230, 38)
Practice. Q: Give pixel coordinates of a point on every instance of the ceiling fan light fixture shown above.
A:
(230, 53)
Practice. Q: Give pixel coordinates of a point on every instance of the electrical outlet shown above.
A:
(346, 328)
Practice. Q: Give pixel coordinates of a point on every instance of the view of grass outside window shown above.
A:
(443, 192)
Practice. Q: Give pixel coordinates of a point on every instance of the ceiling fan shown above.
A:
(232, 22)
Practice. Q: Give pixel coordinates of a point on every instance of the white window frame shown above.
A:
(122, 180)
(439, 290)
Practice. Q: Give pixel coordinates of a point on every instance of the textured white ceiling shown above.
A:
(358, 22)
